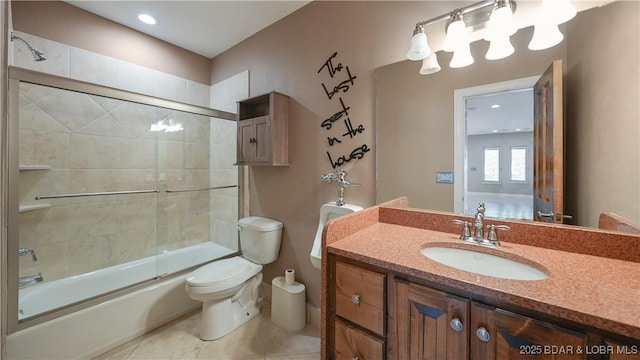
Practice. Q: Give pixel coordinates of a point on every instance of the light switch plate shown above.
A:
(444, 177)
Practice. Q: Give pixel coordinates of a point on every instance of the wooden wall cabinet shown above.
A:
(263, 130)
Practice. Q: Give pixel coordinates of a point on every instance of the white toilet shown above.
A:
(327, 212)
(229, 288)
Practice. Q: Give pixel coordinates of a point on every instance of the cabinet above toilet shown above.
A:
(263, 130)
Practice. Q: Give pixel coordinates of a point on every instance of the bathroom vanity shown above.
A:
(384, 299)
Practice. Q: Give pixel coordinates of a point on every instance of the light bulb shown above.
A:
(419, 47)
(499, 47)
(462, 57)
(430, 65)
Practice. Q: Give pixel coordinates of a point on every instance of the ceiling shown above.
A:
(205, 27)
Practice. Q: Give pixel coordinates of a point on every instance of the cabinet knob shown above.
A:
(355, 299)
(483, 334)
(456, 324)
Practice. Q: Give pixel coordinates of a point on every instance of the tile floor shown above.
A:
(259, 338)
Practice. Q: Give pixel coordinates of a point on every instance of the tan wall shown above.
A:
(605, 166)
(59, 21)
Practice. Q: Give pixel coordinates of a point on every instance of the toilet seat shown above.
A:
(223, 274)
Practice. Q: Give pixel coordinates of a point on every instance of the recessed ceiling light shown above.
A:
(147, 19)
(495, 106)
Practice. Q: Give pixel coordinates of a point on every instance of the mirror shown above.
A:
(600, 61)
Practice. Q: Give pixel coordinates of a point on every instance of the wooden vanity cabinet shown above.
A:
(432, 324)
(359, 317)
(262, 130)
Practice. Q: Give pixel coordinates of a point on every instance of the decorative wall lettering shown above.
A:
(357, 153)
(333, 67)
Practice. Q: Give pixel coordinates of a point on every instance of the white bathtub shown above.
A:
(92, 331)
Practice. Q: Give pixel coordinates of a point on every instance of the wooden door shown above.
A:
(431, 324)
(263, 139)
(548, 170)
(246, 147)
(500, 335)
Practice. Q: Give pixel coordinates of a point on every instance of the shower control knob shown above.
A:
(355, 299)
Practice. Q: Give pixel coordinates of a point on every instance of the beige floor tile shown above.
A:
(259, 338)
(177, 341)
(245, 343)
(284, 342)
(122, 352)
(313, 356)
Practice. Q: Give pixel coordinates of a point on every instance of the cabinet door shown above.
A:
(499, 334)
(354, 344)
(262, 144)
(431, 324)
(246, 147)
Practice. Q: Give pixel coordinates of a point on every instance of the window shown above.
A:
(519, 164)
(491, 164)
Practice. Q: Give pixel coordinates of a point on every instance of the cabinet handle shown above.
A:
(355, 299)
(456, 324)
(483, 334)
(355, 358)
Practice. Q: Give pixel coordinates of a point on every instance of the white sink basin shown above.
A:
(483, 263)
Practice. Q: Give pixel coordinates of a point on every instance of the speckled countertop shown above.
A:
(595, 285)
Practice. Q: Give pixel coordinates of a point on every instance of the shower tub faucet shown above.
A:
(339, 176)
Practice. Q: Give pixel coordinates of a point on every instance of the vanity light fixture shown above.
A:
(500, 25)
(430, 64)
(419, 46)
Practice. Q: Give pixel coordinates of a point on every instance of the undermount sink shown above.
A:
(483, 263)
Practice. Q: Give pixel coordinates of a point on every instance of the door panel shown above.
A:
(548, 172)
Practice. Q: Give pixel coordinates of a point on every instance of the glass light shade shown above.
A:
(419, 47)
(430, 65)
(456, 35)
(499, 47)
(501, 22)
(461, 57)
(545, 35)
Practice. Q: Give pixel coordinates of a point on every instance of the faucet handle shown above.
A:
(26, 251)
(493, 236)
(466, 230)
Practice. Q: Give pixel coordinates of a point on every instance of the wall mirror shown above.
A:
(415, 127)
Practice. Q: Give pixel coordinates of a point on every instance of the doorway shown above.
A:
(493, 149)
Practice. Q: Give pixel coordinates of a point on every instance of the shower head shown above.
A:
(37, 54)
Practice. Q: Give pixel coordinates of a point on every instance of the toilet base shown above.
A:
(222, 316)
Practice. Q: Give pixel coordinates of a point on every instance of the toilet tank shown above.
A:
(260, 239)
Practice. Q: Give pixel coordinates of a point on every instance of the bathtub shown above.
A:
(92, 331)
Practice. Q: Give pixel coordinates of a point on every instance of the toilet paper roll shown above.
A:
(289, 276)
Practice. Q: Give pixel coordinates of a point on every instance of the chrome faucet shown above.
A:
(339, 176)
(28, 280)
(26, 251)
(478, 224)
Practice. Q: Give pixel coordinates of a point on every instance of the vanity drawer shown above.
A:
(360, 296)
(354, 344)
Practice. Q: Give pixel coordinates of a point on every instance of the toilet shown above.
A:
(327, 212)
(229, 288)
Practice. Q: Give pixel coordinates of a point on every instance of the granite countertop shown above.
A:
(597, 291)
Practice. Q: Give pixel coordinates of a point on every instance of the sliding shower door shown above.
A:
(110, 189)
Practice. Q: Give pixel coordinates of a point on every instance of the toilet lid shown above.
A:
(235, 269)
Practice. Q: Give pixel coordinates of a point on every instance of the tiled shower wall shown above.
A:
(94, 144)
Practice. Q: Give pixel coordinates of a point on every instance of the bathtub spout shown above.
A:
(28, 280)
